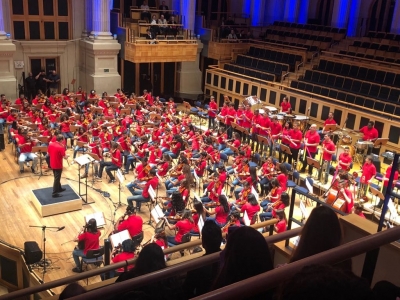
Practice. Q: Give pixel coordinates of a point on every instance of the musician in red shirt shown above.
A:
(282, 222)
(129, 221)
(311, 142)
(143, 195)
(345, 160)
(370, 134)
(201, 165)
(295, 136)
(90, 237)
(214, 189)
(128, 252)
(285, 106)
(328, 148)
(184, 226)
(113, 165)
(212, 112)
(368, 174)
(230, 117)
(56, 151)
(276, 129)
(247, 119)
(329, 121)
(25, 144)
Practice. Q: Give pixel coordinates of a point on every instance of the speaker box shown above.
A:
(33, 254)
(2, 143)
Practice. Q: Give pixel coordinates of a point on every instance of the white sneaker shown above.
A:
(28, 164)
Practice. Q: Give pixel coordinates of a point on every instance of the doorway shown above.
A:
(48, 64)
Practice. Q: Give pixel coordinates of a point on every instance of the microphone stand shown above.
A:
(43, 263)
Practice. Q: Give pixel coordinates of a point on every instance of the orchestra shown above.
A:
(169, 148)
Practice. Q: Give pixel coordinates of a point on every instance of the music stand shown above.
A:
(121, 180)
(114, 105)
(285, 149)
(234, 149)
(40, 150)
(330, 127)
(74, 128)
(263, 141)
(380, 142)
(43, 139)
(126, 111)
(313, 162)
(83, 161)
(95, 158)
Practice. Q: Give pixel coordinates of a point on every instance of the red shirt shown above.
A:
(344, 158)
(122, 142)
(161, 243)
(361, 215)
(117, 158)
(295, 135)
(64, 126)
(247, 118)
(183, 227)
(286, 107)
(276, 129)
(264, 122)
(312, 138)
(349, 206)
(329, 146)
(251, 210)
(214, 196)
(56, 152)
(369, 134)
(25, 148)
(201, 167)
(164, 170)
(177, 148)
(155, 153)
(221, 215)
(212, 112)
(133, 224)
(368, 170)
(236, 143)
(387, 175)
(230, 116)
(91, 240)
(277, 192)
(281, 226)
(123, 257)
(329, 122)
(282, 179)
(153, 183)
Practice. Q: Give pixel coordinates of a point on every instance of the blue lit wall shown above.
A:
(274, 11)
(246, 7)
(257, 9)
(291, 10)
(353, 18)
(303, 12)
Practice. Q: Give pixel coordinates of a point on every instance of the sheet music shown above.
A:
(200, 224)
(309, 187)
(157, 213)
(159, 178)
(246, 219)
(120, 176)
(303, 209)
(392, 209)
(98, 216)
(119, 237)
(152, 193)
(254, 192)
(196, 177)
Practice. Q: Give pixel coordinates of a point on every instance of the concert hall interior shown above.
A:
(143, 120)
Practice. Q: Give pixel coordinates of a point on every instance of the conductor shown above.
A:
(56, 152)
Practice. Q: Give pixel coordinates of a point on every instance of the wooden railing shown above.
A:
(260, 283)
(49, 285)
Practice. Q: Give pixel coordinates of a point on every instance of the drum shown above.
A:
(271, 109)
(340, 204)
(363, 145)
(346, 140)
(251, 100)
(303, 121)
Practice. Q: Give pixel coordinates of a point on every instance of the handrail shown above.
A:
(127, 285)
(98, 271)
(254, 285)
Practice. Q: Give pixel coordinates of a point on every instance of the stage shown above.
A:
(46, 205)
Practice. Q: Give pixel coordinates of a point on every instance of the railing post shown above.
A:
(107, 248)
(291, 210)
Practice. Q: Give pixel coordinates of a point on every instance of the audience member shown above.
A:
(211, 236)
(71, 290)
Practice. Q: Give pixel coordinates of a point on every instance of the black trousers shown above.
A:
(57, 180)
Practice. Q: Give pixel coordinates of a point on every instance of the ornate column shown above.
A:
(340, 15)
(99, 63)
(291, 10)
(8, 82)
(88, 18)
(396, 19)
(101, 20)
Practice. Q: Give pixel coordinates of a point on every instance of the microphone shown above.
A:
(60, 228)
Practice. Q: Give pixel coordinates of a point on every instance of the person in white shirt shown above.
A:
(145, 14)
(162, 21)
